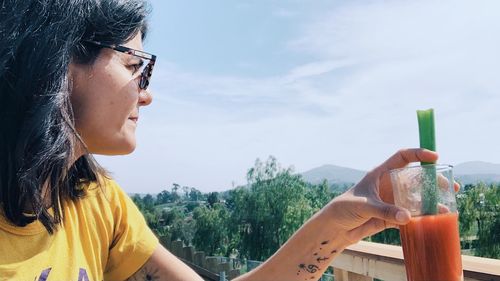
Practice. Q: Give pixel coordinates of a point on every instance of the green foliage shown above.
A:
(195, 195)
(253, 221)
(138, 201)
(267, 213)
(211, 229)
(148, 203)
(319, 195)
(177, 225)
(479, 209)
(174, 195)
(468, 208)
(191, 205)
(164, 197)
(213, 198)
(389, 236)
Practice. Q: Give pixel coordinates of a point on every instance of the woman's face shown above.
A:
(106, 98)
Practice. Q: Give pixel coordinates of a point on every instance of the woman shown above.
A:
(72, 79)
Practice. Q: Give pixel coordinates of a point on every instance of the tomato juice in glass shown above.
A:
(430, 241)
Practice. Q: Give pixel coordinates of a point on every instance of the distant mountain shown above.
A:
(142, 195)
(333, 174)
(477, 171)
(477, 167)
(467, 173)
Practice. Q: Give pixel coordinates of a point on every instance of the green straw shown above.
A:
(428, 141)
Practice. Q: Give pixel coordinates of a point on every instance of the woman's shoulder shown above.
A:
(105, 189)
(103, 202)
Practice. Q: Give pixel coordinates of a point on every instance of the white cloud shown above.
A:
(284, 13)
(417, 54)
(392, 29)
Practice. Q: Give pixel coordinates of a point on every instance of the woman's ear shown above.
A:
(72, 72)
(76, 74)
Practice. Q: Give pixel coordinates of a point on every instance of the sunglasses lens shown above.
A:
(145, 75)
(143, 83)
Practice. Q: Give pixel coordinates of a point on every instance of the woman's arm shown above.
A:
(306, 255)
(164, 266)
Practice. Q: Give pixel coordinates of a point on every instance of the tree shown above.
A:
(148, 202)
(175, 187)
(163, 197)
(185, 192)
(489, 223)
(152, 218)
(178, 225)
(319, 195)
(468, 209)
(267, 214)
(479, 215)
(213, 197)
(174, 195)
(191, 205)
(195, 194)
(138, 201)
(211, 229)
(388, 236)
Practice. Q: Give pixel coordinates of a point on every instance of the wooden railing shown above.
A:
(365, 261)
(207, 267)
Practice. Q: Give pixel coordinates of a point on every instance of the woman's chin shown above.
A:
(117, 149)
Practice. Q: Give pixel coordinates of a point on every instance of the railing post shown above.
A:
(166, 241)
(177, 248)
(233, 274)
(211, 263)
(340, 275)
(189, 253)
(344, 275)
(222, 276)
(224, 269)
(199, 259)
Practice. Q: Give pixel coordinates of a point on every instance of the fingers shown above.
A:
(443, 183)
(443, 209)
(389, 213)
(383, 216)
(369, 228)
(405, 156)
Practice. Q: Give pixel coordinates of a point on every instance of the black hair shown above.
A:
(38, 41)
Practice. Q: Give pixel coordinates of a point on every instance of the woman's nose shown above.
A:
(145, 97)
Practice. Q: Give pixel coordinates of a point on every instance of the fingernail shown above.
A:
(400, 216)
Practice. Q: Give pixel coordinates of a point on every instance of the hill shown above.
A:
(333, 174)
(466, 173)
(477, 171)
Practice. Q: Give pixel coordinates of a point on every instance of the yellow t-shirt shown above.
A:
(103, 237)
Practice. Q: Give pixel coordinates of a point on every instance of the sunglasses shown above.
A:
(146, 69)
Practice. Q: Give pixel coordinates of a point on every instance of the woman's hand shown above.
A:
(367, 208)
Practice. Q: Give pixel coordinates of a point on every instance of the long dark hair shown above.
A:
(38, 40)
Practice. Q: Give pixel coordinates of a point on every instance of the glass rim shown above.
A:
(438, 167)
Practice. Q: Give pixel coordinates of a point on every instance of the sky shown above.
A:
(311, 83)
